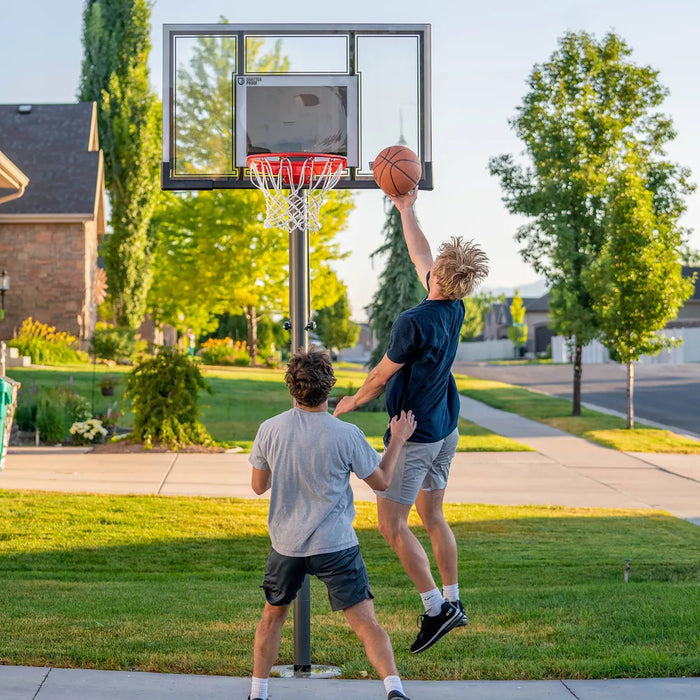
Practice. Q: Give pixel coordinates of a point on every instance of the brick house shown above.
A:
(49, 236)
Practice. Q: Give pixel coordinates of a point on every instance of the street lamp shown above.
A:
(4, 287)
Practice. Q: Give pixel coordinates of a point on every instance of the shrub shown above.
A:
(224, 351)
(164, 396)
(51, 412)
(110, 342)
(45, 345)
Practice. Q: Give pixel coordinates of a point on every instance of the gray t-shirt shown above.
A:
(311, 455)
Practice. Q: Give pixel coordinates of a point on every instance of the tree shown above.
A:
(689, 256)
(586, 107)
(212, 253)
(334, 327)
(473, 324)
(399, 286)
(517, 331)
(637, 282)
(116, 45)
(477, 308)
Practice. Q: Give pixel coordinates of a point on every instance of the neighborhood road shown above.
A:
(666, 394)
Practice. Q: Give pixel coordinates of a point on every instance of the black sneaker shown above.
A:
(397, 695)
(432, 628)
(463, 621)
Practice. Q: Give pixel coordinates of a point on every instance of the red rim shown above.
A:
(299, 163)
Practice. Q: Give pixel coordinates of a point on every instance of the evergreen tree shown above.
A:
(116, 42)
(399, 286)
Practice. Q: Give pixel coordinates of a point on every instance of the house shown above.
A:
(689, 314)
(49, 236)
(539, 335)
(13, 182)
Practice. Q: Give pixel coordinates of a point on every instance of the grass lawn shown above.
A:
(602, 428)
(172, 584)
(242, 398)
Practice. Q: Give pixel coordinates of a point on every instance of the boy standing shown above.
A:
(305, 457)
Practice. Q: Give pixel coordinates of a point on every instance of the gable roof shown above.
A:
(56, 146)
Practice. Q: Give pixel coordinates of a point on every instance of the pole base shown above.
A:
(303, 671)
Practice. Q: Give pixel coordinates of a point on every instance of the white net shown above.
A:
(295, 187)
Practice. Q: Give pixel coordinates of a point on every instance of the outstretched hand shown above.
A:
(345, 405)
(404, 201)
(403, 426)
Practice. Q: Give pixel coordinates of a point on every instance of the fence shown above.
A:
(485, 350)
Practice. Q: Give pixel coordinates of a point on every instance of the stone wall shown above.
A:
(50, 267)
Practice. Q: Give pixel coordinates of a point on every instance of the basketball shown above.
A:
(397, 170)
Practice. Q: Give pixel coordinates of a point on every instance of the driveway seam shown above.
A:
(569, 689)
(41, 685)
(167, 474)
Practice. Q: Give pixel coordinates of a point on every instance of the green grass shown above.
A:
(601, 428)
(243, 397)
(172, 584)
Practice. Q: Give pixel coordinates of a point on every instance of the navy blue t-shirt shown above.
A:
(424, 339)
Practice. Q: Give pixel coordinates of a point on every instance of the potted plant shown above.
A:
(107, 384)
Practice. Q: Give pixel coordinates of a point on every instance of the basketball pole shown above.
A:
(299, 317)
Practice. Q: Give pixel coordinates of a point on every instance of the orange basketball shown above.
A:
(397, 170)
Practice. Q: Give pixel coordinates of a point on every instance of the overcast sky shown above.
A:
(482, 55)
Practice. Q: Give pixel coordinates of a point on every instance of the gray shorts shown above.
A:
(343, 572)
(421, 466)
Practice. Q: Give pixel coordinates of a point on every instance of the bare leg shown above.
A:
(442, 539)
(372, 635)
(393, 526)
(267, 639)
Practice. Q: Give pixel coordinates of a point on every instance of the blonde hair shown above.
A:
(460, 267)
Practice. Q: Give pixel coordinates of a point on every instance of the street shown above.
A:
(666, 394)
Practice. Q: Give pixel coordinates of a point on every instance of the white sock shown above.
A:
(451, 593)
(258, 688)
(433, 601)
(392, 683)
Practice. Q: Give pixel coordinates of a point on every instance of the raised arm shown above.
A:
(373, 386)
(416, 242)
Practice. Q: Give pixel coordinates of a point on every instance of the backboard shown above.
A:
(230, 91)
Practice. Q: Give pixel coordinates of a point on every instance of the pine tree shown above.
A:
(116, 43)
(399, 286)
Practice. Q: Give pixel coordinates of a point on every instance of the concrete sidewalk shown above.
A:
(564, 470)
(25, 683)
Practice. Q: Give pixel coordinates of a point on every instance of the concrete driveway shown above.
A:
(665, 394)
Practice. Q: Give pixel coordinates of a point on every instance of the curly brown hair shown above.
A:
(459, 267)
(310, 377)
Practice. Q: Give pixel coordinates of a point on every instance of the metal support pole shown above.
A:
(299, 315)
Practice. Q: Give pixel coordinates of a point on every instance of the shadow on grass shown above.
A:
(173, 585)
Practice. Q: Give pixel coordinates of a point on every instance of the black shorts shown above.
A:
(344, 574)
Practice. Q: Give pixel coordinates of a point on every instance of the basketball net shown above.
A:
(295, 186)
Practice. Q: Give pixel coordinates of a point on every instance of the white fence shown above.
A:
(485, 350)
(687, 351)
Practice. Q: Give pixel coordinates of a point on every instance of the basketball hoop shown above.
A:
(295, 186)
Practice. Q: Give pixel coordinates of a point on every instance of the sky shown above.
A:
(482, 54)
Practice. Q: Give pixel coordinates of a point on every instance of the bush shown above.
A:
(51, 412)
(224, 351)
(45, 345)
(164, 397)
(87, 432)
(109, 342)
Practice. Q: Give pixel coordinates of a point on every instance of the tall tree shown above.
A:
(689, 256)
(399, 286)
(517, 331)
(636, 282)
(212, 256)
(116, 45)
(333, 324)
(587, 106)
